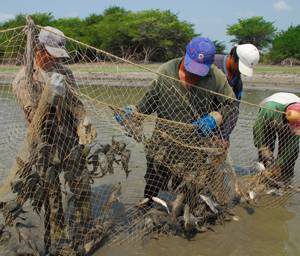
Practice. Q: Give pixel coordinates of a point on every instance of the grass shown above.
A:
(117, 67)
(9, 68)
(112, 67)
(276, 69)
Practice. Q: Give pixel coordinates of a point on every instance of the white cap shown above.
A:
(54, 42)
(248, 58)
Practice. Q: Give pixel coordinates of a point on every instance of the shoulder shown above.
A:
(170, 67)
(272, 106)
(219, 60)
(19, 77)
(271, 110)
(217, 74)
(18, 84)
(219, 81)
(62, 69)
(283, 98)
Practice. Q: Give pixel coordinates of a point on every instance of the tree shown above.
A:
(220, 46)
(253, 30)
(161, 35)
(43, 19)
(150, 35)
(286, 44)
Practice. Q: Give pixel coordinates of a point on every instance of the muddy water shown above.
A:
(273, 231)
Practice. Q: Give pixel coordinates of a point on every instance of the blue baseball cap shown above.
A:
(199, 56)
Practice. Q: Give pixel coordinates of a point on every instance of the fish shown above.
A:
(103, 149)
(114, 195)
(205, 229)
(186, 217)
(260, 167)
(274, 192)
(236, 218)
(109, 164)
(122, 147)
(177, 205)
(212, 205)
(24, 225)
(149, 223)
(115, 145)
(125, 157)
(143, 202)
(94, 160)
(17, 186)
(202, 229)
(11, 210)
(162, 203)
(252, 194)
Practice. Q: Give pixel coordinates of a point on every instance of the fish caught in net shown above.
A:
(98, 151)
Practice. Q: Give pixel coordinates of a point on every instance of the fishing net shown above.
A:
(80, 171)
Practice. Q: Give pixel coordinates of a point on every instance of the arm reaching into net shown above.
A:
(228, 108)
(264, 133)
(288, 151)
(149, 102)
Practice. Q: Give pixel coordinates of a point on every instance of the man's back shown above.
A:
(175, 102)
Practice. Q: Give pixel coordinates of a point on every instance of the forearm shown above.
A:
(230, 122)
(148, 104)
(288, 154)
(260, 131)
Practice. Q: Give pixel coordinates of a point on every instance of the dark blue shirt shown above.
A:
(237, 86)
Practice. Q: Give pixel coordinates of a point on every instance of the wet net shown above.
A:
(97, 150)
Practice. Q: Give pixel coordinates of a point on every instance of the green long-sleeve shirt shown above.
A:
(170, 100)
(271, 124)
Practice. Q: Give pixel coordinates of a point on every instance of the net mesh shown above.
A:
(73, 179)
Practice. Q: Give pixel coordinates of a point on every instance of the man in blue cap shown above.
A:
(188, 90)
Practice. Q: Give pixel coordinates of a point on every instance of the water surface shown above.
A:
(272, 231)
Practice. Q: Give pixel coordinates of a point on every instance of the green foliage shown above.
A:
(253, 30)
(43, 19)
(150, 35)
(160, 35)
(220, 46)
(286, 44)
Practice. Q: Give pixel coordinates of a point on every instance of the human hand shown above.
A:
(205, 125)
(128, 111)
(266, 156)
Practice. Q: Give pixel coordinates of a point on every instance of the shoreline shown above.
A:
(260, 81)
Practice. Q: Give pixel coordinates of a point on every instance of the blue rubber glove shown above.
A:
(205, 125)
(128, 113)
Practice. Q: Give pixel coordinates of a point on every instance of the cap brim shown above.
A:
(245, 70)
(195, 67)
(57, 52)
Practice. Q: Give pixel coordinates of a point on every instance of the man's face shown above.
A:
(43, 58)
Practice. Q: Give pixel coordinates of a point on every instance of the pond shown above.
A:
(267, 231)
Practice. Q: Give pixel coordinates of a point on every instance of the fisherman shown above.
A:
(183, 93)
(61, 131)
(49, 53)
(240, 61)
(278, 119)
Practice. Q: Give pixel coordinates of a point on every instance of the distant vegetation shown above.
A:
(157, 36)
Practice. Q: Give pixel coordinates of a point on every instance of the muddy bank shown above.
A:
(261, 81)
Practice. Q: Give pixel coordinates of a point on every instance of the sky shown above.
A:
(210, 17)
